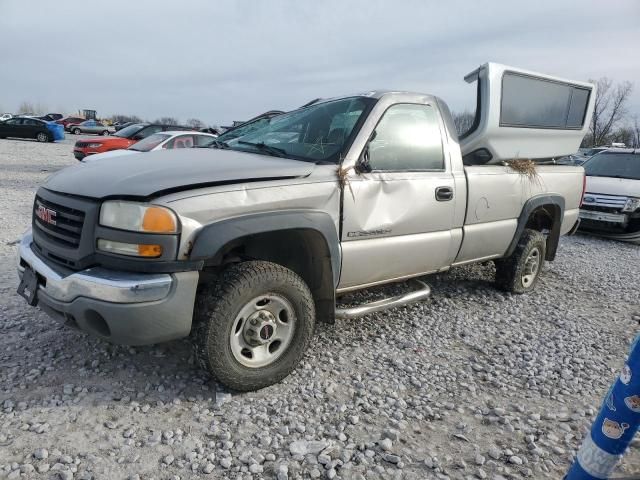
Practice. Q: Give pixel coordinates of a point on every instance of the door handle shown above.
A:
(444, 194)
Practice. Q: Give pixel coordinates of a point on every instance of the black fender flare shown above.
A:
(213, 237)
(556, 202)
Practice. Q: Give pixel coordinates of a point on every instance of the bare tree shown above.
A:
(463, 121)
(195, 123)
(125, 118)
(26, 107)
(167, 121)
(610, 108)
(622, 135)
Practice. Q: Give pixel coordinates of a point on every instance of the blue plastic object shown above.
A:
(56, 130)
(615, 426)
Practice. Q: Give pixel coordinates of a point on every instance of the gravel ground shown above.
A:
(474, 383)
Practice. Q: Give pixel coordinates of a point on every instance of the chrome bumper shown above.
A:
(107, 285)
(603, 216)
(121, 307)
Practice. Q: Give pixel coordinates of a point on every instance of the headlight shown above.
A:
(138, 217)
(94, 145)
(631, 205)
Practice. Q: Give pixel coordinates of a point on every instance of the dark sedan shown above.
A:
(23, 127)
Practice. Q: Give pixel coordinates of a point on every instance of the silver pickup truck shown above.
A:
(245, 246)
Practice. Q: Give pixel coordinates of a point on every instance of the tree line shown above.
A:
(38, 108)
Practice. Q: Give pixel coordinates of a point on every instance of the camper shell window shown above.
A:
(532, 102)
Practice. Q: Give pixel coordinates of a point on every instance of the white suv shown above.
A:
(611, 203)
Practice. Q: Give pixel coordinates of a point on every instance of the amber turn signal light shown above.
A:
(149, 250)
(158, 220)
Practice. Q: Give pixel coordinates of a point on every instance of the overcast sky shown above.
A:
(222, 61)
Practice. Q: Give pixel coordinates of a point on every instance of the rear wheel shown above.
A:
(42, 137)
(519, 272)
(252, 327)
(105, 133)
(76, 131)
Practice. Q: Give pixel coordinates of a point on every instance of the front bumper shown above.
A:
(121, 307)
(80, 154)
(609, 225)
(596, 216)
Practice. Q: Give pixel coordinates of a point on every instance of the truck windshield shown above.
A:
(615, 165)
(244, 129)
(318, 133)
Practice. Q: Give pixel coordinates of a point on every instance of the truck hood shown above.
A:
(625, 187)
(168, 171)
(109, 154)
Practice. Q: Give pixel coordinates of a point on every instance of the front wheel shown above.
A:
(253, 326)
(105, 133)
(42, 137)
(76, 131)
(519, 272)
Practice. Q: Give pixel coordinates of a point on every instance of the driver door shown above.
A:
(398, 215)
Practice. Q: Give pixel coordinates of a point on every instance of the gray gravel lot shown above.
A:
(474, 383)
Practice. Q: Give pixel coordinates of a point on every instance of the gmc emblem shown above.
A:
(46, 214)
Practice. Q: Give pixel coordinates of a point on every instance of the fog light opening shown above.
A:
(96, 323)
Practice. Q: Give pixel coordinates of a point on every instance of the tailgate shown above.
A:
(523, 114)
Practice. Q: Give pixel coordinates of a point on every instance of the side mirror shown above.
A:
(363, 164)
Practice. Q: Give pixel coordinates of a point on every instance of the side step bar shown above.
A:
(422, 293)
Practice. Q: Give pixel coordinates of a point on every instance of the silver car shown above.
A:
(92, 126)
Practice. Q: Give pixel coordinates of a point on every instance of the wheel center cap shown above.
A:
(266, 332)
(260, 328)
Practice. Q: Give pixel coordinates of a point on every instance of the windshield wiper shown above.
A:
(216, 144)
(273, 151)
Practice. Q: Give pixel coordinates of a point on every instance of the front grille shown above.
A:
(64, 225)
(82, 144)
(586, 206)
(603, 202)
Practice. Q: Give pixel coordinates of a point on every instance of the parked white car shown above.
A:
(160, 141)
(5, 116)
(611, 203)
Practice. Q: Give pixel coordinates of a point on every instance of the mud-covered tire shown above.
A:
(218, 307)
(519, 273)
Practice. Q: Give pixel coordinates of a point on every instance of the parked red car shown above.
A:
(67, 121)
(121, 139)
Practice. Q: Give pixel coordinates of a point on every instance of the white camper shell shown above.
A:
(524, 114)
